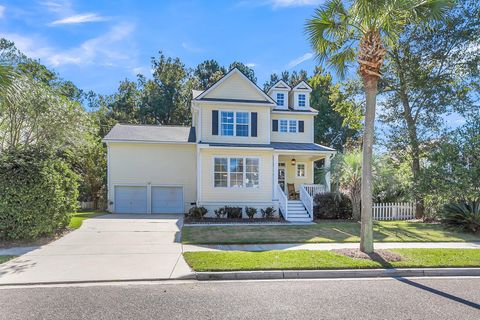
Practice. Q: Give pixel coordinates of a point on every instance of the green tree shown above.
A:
(364, 30)
(208, 72)
(292, 79)
(247, 71)
(432, 72)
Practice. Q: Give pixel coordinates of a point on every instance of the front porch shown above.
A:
(294, 186)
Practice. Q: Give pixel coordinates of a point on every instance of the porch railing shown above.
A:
(313, 189)
(307, 200)
(282, 202)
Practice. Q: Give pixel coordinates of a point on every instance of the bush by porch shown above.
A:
(323, 232)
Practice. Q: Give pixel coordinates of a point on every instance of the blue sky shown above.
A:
(96, 44)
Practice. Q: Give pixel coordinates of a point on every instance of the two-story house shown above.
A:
(245, 148)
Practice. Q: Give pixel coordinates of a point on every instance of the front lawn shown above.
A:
(324, 231)
(78, 217)
(317, 260)
(6, 258)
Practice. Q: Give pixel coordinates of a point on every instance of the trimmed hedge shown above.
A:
(332, 205)
(38, 191)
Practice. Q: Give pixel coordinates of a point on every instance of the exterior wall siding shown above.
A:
(306, 136)
(153, 164)
(263, 124)
(236, 87)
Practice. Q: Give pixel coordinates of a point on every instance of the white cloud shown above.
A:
(295, 62)
(79, 18)
(107, 49)
(2, 11)
(191, 48)
(251, 65)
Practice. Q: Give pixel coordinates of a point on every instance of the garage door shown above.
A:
(130, 199)
(167, 200)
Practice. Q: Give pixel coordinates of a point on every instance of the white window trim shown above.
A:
(244, 172)
(288, 126)
(249, 124)
(304, 170)
(298, 100)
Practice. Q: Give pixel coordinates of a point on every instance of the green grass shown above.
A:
(325, 231)
(6, 258)
(78, 217)
(317, 260)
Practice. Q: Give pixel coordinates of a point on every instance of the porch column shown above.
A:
(328, 173)
(275, 176)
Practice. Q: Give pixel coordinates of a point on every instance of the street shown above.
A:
(413, 298)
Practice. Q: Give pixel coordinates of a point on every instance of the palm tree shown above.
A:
(8, 88)
(364, 29)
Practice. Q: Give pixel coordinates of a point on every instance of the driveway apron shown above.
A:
(106, 248)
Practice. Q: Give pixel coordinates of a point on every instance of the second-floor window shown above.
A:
(290, 126)
(280, 99)
(301, 100)
(234, 123)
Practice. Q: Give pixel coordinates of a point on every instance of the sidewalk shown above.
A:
(330, 246)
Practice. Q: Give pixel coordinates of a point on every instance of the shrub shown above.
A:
(332, 205)
(38, 192)
(220, 212)
(268, 213)
(464, 215)
(250, 212)
(197, 212)
(233, 212)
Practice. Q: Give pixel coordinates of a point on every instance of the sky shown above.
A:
(96, 44)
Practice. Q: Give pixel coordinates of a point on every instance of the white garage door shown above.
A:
(167, 200)
(130, 199)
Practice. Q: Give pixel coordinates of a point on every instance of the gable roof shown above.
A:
(266, 98)
(281, 85)
(150, 133)
(302, 85)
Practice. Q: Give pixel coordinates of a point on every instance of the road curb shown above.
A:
(330, 274)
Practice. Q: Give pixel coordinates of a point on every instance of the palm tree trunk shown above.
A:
(366, 230)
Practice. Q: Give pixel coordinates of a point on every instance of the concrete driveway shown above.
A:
(106, 248)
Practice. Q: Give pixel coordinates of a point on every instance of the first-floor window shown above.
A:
(301, 170)
(221, 172)
(236, 172)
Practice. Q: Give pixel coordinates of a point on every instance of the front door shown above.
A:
(281, 175)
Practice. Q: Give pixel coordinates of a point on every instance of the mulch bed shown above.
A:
(229, 221)
(381, 256)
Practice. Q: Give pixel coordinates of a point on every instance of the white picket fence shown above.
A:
(393, 211)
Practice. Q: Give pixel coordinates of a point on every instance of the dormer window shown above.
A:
(280, 99)
(301, 100)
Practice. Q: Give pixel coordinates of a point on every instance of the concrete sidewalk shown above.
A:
(106, 248)
(330, 246)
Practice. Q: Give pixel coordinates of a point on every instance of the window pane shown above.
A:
(220, 172)
(226, 123)
(293, 126)
(236, 179)
(301, 100)
(283, 125)
(252, 172)
(236, 165)
(300, 170)
(242, 124)
(280, 99)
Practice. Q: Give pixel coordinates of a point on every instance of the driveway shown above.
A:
(106, 248)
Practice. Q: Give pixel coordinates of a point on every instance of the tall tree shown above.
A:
(363, 30)
(247, 71)
(292, 79)
(208, 72)
(432, 72)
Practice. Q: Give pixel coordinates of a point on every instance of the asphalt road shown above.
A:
(310, 299)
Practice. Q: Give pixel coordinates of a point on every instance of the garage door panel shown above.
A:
(167, 200)
(130, 199)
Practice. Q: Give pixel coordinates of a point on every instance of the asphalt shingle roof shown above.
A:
(275, 145)
(127, 132)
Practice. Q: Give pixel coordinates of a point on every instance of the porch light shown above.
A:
(294, 161)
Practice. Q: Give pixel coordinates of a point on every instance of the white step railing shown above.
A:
(393, 211)
(282, 202)
(314, 189)
(307, 200)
